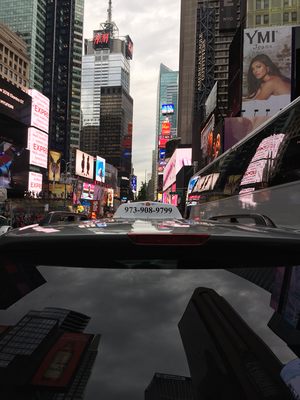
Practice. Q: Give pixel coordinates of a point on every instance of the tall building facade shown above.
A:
(106, 104)
(28, 19)
(267, 13)
(166, 122)
(15, 62)
(62, 73)
(172, 387)
(205, 37)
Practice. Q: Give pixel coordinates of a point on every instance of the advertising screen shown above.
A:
(54, 166)
(84, 164)
(206, 182)
(35, 183)
(162, 143)
(228, 15)
(165, 128)
(100, 169)
(88, 191)
(14, 103)
(266, 70)
(129, 48)
(167, 109)
(133, 183)
(37, 144)
(14, 166)
(39, 110)
(101, 39)
(180, 158)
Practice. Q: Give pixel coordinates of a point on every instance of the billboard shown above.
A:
(180, 158)
(37, 144)
(167, 109)
(84, 164)
(266, 70)
(228, 15)
(88, 191)
(165, 128)
(162, 143)
(35, 183)
(101, 40)
(54, 166)
(100, 169)
(14, 103)
(133, 183)
(60, 364)
(39, 110)
(14, 166)
(129, 48)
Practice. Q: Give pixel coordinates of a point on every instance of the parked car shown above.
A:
(58, 217)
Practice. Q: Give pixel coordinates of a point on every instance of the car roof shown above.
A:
(114, 242)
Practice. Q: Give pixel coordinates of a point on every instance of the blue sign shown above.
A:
(100, 169)
(162, 154)
(133, 183)
(167, 109)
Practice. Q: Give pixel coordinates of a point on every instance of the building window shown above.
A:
(285, 17)
(266, 19)
(294, 16)
(258, 4)
(258, 19)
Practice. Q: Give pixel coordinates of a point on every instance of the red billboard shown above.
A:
(61, 362)
(162, 143)
(101, 39)
(165, 128)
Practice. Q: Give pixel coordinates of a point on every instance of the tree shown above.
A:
(142, 195)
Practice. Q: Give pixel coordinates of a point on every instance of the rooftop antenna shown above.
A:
(109, 25)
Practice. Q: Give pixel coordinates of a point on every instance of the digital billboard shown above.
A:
(101, 39)
(14, 166)
(37, 144)
(133, 183)
(167, 109)
(88, 191)
(162, 143)
(100, 169)
(180, 158)
(165, 128)
(84, 164)
(266, 70)
(39, 110)
(129, 48)
(228, 18)
(14, 103)
(35, 183)
(54, 166)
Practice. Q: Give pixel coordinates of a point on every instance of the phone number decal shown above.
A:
(148, 210)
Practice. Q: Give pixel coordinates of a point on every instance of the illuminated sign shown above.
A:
(84, 164)
(88, 191)
(201, 60)
(133, 183)
(129, 48)
(37, 144)
(165, 128)
(39, 110)
(14, 103)
(101, 39)
(162, 143)
(180, 158)
(206, 182)
(54, 166)
(167, 109)
(35, 182)
(100, 169)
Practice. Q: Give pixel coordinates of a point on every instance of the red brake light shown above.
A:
(175, 239)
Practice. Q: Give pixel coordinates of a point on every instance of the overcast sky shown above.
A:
(154, 29)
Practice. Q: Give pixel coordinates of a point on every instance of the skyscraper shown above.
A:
(28, 19)
(106, 105)
(166, 122)
(172, 387)
(264, 13)
(53, 32)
